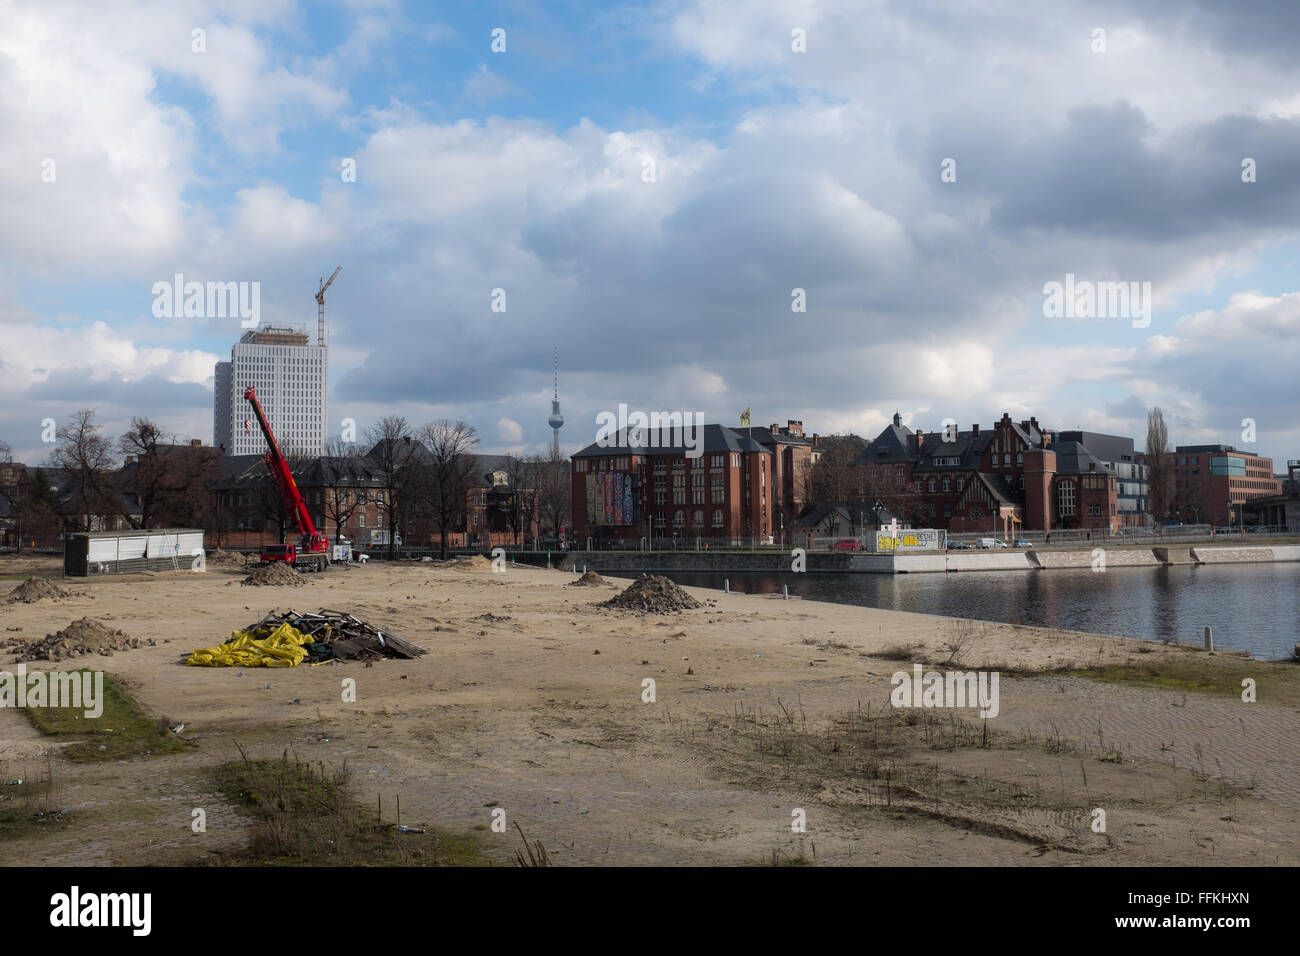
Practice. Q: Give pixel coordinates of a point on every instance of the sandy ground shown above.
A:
(762, 708)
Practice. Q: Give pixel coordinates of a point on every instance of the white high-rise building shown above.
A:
(289, 374)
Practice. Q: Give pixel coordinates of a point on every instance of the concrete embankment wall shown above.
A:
(1082, 558)
(629, 562)
(1251, 554)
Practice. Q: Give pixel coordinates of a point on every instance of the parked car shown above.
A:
(987, 543)
(958, 546)
(1022, 543)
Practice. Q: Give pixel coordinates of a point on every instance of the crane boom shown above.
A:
(282, 476)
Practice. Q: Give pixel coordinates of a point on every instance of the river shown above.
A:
(1254, 607)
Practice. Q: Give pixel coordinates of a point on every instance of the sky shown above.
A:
(656, 187)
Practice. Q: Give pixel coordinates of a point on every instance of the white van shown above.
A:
(987, 543)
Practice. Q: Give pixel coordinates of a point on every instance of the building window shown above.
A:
(1020, 458)
(718, 492)
(1066, 498)
(697, 519)
(679, 519)
(715, 461)
(961, 483)
(930, 485)
(361, 521)
(717, 517)
(1022, 482)
(1006, 458)
(976, 514)
(945, 484)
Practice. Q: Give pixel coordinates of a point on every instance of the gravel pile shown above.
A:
(36, 589)
(653, 595)
(78, 639)
(473, 563)
(226, 559)
(274, 574)
(589, 579)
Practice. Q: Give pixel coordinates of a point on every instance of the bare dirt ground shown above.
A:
(531, 700)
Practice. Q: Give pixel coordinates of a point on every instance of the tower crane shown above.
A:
(320, 305)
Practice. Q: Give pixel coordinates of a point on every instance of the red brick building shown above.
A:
(1015, 476)
(793, 456)
(722, 492)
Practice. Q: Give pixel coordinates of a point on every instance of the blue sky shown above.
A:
(774, 169)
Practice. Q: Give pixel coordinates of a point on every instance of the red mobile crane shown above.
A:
(312, 552)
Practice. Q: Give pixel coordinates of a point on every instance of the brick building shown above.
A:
(1015, 476)
(655, 489)
(793, 456)
(1212, 482)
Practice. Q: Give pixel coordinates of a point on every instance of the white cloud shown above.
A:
(510, 432)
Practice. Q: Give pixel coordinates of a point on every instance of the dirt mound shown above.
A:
(653, 595)
(77, 639)
(274, 574)
(226, 559)
(36, 589)
(589, 579)
(473, 563)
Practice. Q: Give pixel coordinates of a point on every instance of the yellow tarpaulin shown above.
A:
(281, 648)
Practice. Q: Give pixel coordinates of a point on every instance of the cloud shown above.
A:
(510, 432)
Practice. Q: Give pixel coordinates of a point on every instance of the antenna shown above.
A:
(556, 421)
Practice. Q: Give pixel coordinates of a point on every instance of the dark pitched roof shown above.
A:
(668, 441)
(765, 436)
(1073, 458)
(896, 443)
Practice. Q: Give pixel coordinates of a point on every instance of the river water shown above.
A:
(1252, 607)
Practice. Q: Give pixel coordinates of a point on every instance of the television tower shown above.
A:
(556, 421)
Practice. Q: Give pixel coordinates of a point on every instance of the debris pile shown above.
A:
(36, 589)
(589, 579)
(273, 574)
(653, 595)
(78, 639)
(475, 562)
(286, 639)
(226, 559)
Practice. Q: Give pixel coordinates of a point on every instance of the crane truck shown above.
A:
(312, 552)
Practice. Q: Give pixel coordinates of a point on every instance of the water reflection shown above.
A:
(1251, 607)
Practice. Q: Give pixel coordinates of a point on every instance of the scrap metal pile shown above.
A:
(288, 638)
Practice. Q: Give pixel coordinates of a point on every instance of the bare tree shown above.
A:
(520, 507)
(554, 492)
(888, 484)
(84, 457)
(1159, 466)
(343, 475)
(167, 479)
(834, 479)
(391, 452)
(449, 473)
